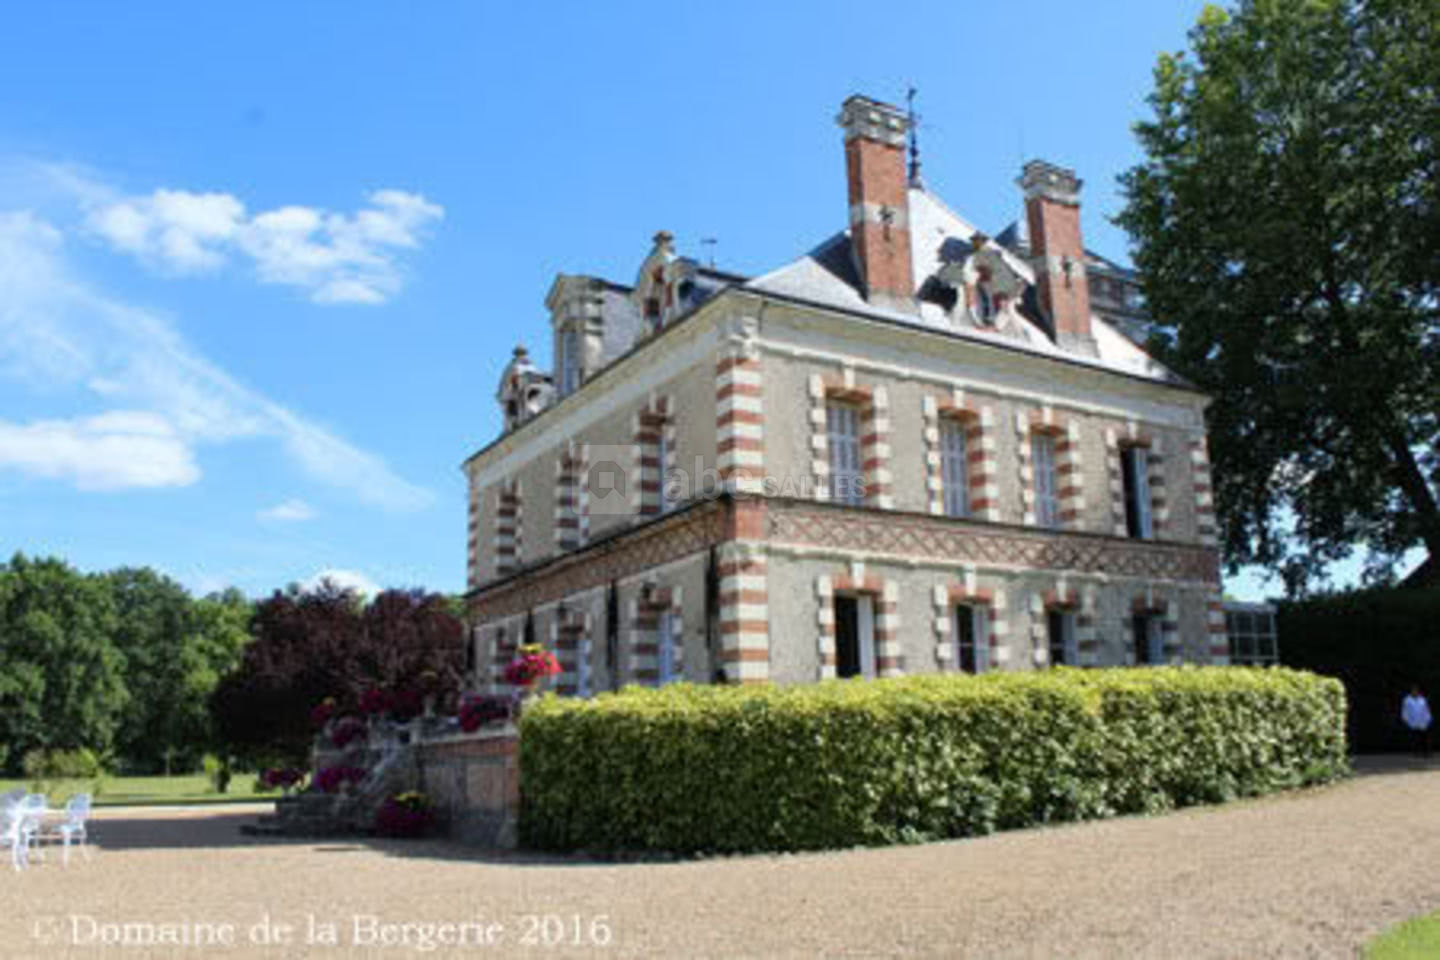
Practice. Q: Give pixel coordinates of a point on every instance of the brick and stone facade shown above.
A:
(669, 513)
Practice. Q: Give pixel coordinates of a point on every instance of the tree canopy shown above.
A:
(175, 651)
(310, 645)
(120, 663)
(1285, 223)
(62, 681)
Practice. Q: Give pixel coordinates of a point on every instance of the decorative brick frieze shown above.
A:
(572, 526)
(643, 654)
(691, 530)
(570, 631)
(500, 640)
(1204, 491)
(1070, 473)
(1159, 499)
(982, 468)
(744, 613)
(1215, 626)
(509, 528)
(740, 410)
(653, 429)
(873, 405)
(917, 536)
(889, 655)
(472, 540)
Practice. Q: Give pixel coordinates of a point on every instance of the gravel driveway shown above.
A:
(1306, 874)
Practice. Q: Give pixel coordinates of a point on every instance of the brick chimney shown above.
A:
(879, 200)
(1052, 213)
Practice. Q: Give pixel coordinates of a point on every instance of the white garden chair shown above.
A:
(72, 828)
(16, 832)
(32, 810)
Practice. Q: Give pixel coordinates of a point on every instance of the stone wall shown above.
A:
(474, 782)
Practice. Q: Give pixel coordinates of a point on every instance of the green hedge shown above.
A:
(730, 769)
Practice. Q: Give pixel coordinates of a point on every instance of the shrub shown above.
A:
(217, 771)
(405, 815)
(79, 764)
(732, 769)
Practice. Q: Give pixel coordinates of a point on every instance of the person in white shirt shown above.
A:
(1415, 714)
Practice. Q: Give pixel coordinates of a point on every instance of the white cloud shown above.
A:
(335, 257)
(345, 580)
(59, 336)
(291, 511)
(116, 450)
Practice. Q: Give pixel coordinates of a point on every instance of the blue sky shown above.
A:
(259, 271)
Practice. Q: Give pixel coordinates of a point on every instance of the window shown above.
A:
(582, 668)
(1135, 474)
(847, 481)
(612, 635)
(1060, 626)
(666, 641)
(1145, 634)
(502, 656)
(984, 303)
(569, 361)
(669, 495)
(854, 636)
(1047, 499)
(972, 650)
(954, 469)
(1251, 630)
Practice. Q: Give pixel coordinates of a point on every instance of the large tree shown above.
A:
(176, 649)
(326, 642)
(62, 684)
(1286, 225)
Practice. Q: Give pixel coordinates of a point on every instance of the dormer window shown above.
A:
(524, 391)
(984, 302)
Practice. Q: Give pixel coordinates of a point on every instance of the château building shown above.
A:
(915, 448)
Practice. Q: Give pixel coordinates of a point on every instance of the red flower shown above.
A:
(374, 701)
(321, 713)
(531, 666)
(476, 712)
(331, 779)
(347, 731)
(282, 777)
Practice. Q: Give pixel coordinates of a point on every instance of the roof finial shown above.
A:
(914, 122)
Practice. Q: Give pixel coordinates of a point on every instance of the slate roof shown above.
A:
(827, 276)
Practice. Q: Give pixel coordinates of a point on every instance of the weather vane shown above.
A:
(914, 119)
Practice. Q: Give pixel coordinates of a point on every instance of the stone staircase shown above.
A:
(313, 813)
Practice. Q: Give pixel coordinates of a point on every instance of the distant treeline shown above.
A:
(128, 665)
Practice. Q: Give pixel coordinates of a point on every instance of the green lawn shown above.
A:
(114, 791)
(1416, 939)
